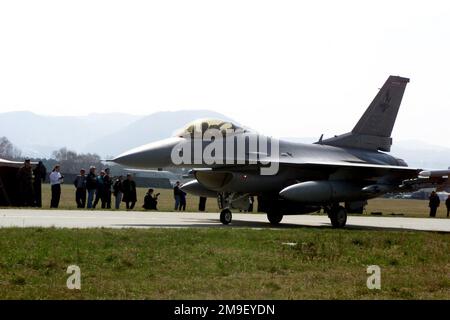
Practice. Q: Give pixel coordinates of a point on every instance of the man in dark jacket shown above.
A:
(150, 200)
(80, 185)
(447, 204)
(177, 195)
(108, 182)
(25, 183)
(434, 203)
(40, 172)
(182, 200)
(91, 186)
(129, 192)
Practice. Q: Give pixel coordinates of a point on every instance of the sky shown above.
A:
(284, 68)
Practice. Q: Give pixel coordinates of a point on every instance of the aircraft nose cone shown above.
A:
(153, 155)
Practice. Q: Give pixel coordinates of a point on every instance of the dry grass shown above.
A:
(409, 208)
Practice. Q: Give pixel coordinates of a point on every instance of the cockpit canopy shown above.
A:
(202, 125)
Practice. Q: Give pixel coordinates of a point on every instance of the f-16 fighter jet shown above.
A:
(338, 175)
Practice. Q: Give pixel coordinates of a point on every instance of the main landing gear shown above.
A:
(230, 201)
(337, 215)
(226, 216)
(274, 217)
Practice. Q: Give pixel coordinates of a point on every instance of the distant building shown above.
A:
(169, 177)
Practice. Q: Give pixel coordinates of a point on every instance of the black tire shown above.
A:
(226, 216)
(338, 217)
(274, 218)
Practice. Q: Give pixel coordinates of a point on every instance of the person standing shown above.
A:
(25, 183)
(40, 173)
(251, 201)
(118, 191)
(434, 203)
(91, 186)
(107, 181)
(55, 182)
(100, 193)
(80, 193)
(129, 192)
(182, 200)
(447, 204)
(177, 195)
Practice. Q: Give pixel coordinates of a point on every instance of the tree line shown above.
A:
(70, 161)
(8, 150)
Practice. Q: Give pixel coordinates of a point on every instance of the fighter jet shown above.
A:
(337, 175)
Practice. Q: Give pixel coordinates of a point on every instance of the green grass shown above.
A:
(409, 208)
(223, 263)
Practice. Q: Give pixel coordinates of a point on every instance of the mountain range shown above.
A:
(104, 134)
(111, 134)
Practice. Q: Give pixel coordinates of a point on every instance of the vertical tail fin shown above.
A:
(379, 118)
(373, 131)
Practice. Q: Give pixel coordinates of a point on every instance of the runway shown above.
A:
(121, 219)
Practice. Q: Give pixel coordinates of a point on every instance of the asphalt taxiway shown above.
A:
(130, 219)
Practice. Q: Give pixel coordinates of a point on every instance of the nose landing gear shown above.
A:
(228, 201)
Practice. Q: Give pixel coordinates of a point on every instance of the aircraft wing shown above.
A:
(438, 179)
(405, 178)
(413, 178)
(364, 168)
(338, 170)
(361, 165)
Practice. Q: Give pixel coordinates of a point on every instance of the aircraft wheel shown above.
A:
(274, 218)
(226, 216)
(338, 216)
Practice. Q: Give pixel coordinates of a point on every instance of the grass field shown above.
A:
(223, 264)
(411, 208)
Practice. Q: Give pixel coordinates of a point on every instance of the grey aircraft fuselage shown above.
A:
(297, 162)
(291, 156)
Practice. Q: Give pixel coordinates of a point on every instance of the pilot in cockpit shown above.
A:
(199, 127)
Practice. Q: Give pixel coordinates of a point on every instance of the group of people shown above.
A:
(92, 189)
(434, 203)
(180, 197)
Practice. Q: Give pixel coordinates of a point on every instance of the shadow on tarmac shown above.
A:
(214, 223)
